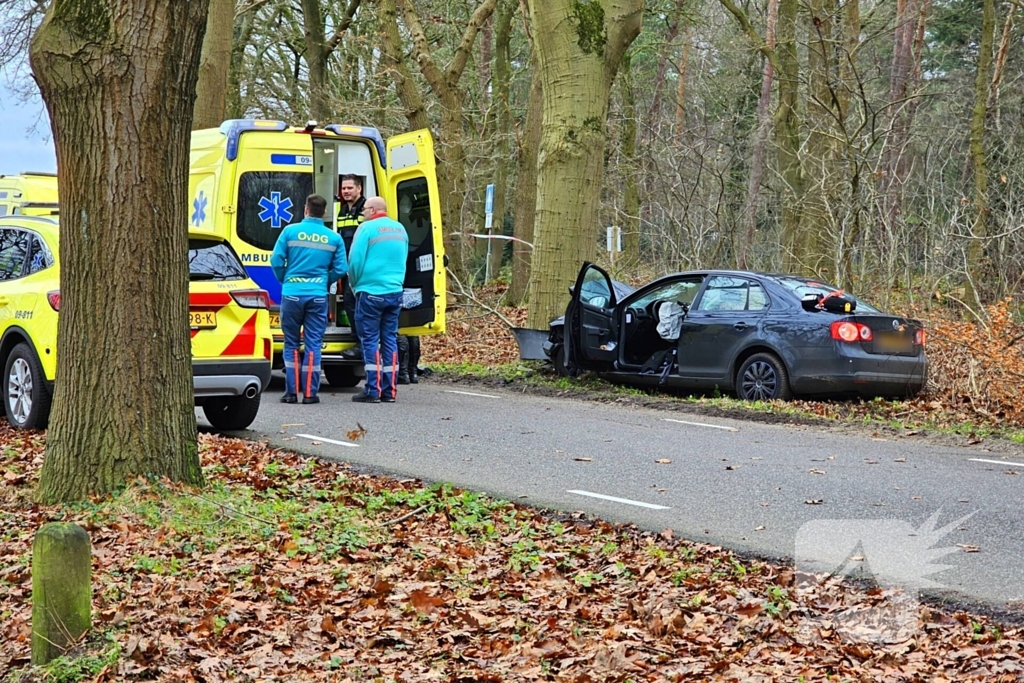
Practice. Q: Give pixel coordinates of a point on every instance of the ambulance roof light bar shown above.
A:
(233, 129)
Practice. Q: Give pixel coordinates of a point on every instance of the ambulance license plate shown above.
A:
(202, 319)
(275, 320)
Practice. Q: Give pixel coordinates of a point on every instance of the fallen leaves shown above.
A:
(357, 433)
(294, 569)
(816, 471)
(814, 501)
(968, 548)
(663, 461)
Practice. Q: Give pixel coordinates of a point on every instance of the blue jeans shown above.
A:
(377, 317)
(303, 318)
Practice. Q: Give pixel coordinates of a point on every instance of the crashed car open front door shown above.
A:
(593, 334)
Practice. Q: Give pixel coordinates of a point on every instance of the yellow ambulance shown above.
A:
(250, 178)
(28, 194)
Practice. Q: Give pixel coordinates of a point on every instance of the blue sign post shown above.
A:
(488, 222)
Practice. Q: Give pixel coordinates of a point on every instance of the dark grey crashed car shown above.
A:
(762, 336)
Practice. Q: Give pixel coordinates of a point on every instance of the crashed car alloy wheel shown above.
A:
(760, 382)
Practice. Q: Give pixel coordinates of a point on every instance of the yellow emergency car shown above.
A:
(28, 194)
(228, 315)
(250, 178)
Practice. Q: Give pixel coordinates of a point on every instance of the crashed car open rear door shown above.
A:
(592, 328)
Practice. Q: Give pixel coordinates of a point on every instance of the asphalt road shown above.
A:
(742, 485)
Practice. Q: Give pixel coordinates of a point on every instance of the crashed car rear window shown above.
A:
(802, 287)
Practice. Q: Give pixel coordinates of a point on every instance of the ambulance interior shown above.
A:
(333, 158)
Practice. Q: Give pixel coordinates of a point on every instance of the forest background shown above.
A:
(871, 144)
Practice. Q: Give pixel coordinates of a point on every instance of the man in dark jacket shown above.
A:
(350, 216)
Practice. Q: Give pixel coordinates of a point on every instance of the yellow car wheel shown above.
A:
(231, 413)
(28, 400)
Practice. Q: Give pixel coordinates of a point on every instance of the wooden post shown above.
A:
(61, 589)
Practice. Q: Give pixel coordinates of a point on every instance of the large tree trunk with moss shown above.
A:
(118, 78)
(979, 231)
(579, 48)
(214, 65)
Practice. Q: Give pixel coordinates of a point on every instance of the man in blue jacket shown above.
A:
(377, 273)
(306, 259)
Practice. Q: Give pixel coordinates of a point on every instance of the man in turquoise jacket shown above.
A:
(377, 273)
(306, 259)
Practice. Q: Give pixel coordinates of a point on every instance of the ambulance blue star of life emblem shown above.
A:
(275, 209)
(199, 209)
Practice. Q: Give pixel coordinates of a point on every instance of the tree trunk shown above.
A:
(979, 231)
(528, 143)
(760, 143)
(630, 168)
(502, 72)
(818, 165)
(451, 180)
(118, 78)
(243, 28)
(405, 86)
(316, 60)
(787, 133)
(579, 49)
(214, 65)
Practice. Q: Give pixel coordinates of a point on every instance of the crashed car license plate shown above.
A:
(894, 343)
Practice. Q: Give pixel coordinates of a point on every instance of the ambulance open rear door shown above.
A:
(413, 199)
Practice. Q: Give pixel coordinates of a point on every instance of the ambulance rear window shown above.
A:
(268, 201)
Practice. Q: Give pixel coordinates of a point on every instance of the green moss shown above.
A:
(588, 20)
(61, 589)
(84, 18)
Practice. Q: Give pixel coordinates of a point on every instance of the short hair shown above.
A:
(354, 178)
(316, 205)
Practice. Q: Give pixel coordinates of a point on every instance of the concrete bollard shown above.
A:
(61, 589)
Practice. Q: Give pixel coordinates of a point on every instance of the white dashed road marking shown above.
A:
(652, 506)
(320, 438)
(469, 393)
(999, 462)
(701, 424)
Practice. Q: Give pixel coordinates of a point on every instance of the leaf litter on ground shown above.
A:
(289, 568)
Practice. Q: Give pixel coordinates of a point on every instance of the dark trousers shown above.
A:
(378, 336)
(303, 321)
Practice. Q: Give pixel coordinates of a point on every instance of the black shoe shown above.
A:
(403, 379)
(355, 353)
(387, 399)
(289, 398)
(413, 379)
(363, 397)
(310, 399)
